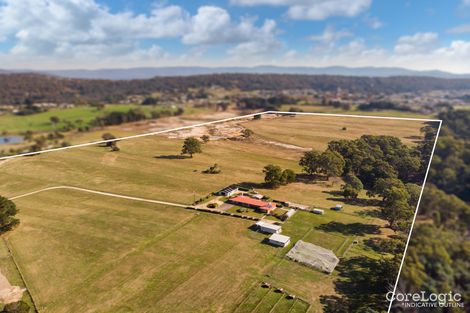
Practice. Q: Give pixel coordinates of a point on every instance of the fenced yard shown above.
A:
(269, 300)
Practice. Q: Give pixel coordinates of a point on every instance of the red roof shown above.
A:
(263, 205)
(250, 201)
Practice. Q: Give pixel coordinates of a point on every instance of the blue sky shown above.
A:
(416, 34)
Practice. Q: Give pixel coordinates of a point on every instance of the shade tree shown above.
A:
(191, 146)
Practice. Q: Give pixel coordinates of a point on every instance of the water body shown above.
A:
(10, 139)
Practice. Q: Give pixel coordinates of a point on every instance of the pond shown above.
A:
(10, 139)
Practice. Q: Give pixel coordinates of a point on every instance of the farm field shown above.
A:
(80, 116)
(41, 121)
(116, 255)
(314, 131)
(122, 256)
(353, 111)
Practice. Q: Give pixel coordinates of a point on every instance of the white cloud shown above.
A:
(69, 27)
(213, 25)
(261, 41)
(374, 22)
(330, 34)
(313, 9)
(291, 54)
(466, 2)
(461, 29)
(80, 29)
(417, 43)
(355, 53)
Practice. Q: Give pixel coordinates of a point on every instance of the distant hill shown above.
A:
(150, 72)
(21, 88)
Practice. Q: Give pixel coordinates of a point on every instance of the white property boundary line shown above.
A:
(211, 123)
(102, 193)
(240, 118)
(414, 217)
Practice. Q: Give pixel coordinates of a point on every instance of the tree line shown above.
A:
(30, 88)
(439, 250)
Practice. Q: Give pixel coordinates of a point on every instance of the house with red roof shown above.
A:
(260, 205)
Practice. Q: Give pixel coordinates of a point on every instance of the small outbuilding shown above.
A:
(288, 214)
(318, 211)
(279, 240)
(337, 207)
(268, 227)
(227, 192)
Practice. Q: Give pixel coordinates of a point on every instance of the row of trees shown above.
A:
(29, 88)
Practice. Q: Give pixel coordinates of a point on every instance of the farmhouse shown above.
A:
(263, 206)
(228, 191)
(268, 228)
(279, 240)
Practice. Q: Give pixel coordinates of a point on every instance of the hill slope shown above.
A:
(18, 88)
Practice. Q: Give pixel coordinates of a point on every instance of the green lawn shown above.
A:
(80, 116)
(265, 300)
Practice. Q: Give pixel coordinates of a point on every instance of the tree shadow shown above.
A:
(374, 243)
(338, 197)
(375, 213)
(309, 179)
(172, 157)
(357, 229)
(252, 185)
(359, 287)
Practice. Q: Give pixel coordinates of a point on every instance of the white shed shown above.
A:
(338, 207)
(268, 227)
(279, 240)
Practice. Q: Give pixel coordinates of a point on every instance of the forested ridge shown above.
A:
(438, 254)
(18, 88)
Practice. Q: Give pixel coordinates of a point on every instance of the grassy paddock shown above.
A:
(41, 121)
(166, 260)
(353, 111)
(315, 131)
(265, 300)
